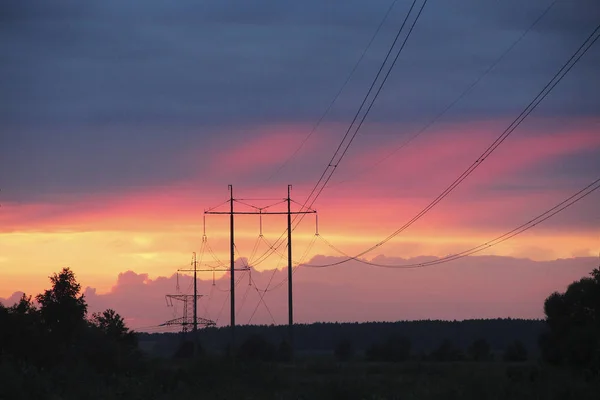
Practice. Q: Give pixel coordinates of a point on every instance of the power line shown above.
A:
(332, 165)
(335, 161)
(268, 288)
(239, 310)
(297, 265)
(222, 307)
(330, 106)
(462, 95)
(239, 279)
(580, 195)
(261, 299)
(209, 299)
(591, 39)
(262, 295)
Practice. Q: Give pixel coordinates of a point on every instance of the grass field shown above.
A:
(313, 379)
(360, 380)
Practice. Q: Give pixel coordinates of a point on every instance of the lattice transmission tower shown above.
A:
(187, 320)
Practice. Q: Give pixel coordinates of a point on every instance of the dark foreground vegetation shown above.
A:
(52, 349)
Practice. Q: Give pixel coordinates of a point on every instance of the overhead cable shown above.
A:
(330, 106)
(582, 50)
(563, 205)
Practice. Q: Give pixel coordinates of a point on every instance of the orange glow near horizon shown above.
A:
(99, 256)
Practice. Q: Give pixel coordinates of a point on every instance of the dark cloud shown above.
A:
(152, 62)
(113, 91)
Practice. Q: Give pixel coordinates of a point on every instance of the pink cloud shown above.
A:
(141, 209)
(378, 201)
(12, 299)
(269, 146)
(434, 162)
(475, 287)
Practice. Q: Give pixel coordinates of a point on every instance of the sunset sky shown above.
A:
(121, 121)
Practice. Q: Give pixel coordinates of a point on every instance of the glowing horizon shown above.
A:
(151, 230)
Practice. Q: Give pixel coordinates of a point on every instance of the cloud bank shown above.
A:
(475, 287)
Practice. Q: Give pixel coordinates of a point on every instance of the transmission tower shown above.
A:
(195, 270)
(261, 212)
(190, 301)
(186, 321)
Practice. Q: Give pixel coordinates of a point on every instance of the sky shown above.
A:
(121, 122)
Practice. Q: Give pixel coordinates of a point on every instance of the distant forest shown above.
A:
(424, 336)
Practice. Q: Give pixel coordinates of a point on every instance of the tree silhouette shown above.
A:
(109, 343)
(62, 318)
(54, 349)
(113, 326)
(573, 319)
(62, 308)
(20, 331)
(24, 306)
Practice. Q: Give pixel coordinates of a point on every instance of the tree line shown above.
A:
(568, 336)
(50, 344)
(322, 338)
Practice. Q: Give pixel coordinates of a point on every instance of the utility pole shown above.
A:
(232, 268)
(290, 296)
(195, 326)
(195, 264)
(259, 211)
